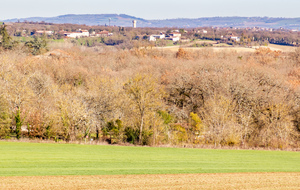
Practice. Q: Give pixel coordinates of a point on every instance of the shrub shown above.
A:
(37, 46)
(182, 54)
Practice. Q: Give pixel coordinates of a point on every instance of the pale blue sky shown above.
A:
(150, 9)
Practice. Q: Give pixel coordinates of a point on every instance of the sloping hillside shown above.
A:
(126, 20)
(88, 19)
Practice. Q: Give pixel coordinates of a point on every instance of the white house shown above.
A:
(174, 39)
(49, 33)
(73, 34)
(85, 33)
(175, 34)
(78, 34)
(159, 36)
(235, 38)
(152, 38)
(103, 33)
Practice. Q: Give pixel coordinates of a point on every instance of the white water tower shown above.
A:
(134, 23)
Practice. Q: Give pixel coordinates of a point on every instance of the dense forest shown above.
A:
(148, 96)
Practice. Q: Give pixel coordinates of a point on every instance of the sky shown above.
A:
(150, 9)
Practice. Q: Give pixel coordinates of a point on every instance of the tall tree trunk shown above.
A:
(97, 133)
(141, 129)
(154, 134)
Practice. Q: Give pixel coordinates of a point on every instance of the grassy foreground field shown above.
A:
(32, 159)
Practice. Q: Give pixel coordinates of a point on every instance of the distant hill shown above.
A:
(88, 19)
(267, 22)
(126, 20)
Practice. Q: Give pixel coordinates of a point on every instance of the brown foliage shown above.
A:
(266, 55)
(183, 54)
(240, 102)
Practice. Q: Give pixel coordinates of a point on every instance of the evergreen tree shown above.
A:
(37, 46)
(5, 38)
(19, 123)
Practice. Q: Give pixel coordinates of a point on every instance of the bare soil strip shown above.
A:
(178, 181)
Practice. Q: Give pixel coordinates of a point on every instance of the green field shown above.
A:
(33, 159)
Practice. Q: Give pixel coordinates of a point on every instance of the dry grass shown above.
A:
(220, 48)
(215, 49)
(179, 181)
(205, 41)
(234, 49)
(282, 48)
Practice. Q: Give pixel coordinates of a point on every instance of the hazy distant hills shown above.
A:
(126, 20)
(88, 19)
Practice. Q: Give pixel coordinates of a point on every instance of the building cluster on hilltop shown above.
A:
(77, 34)
(85, 33)
(174, 36)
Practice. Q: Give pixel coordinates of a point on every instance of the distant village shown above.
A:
(231, 35)
(174, 35)
(77, 34)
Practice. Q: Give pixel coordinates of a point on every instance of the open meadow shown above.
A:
(27, 165)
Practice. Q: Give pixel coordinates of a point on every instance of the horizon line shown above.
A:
(148, 19)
